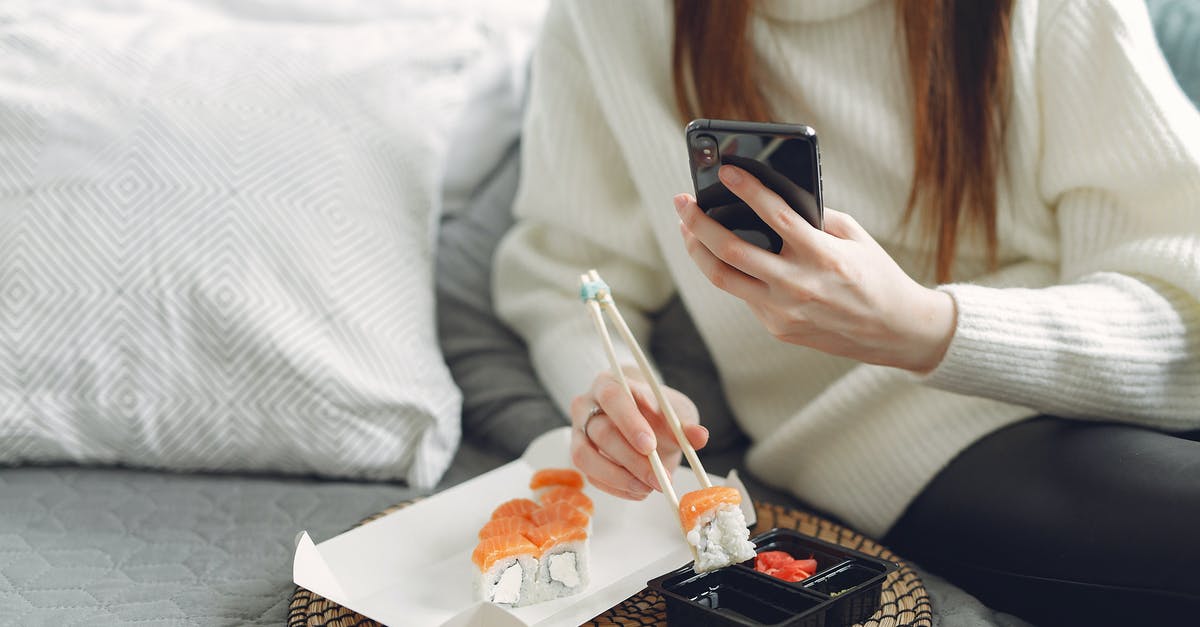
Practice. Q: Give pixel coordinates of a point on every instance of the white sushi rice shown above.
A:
(721, 538)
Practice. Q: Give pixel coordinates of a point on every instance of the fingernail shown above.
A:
(705, 429)
(644, 443)
(730, 174)
(680, 203)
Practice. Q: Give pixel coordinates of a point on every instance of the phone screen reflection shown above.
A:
(785, 164)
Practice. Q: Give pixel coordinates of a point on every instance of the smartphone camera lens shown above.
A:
(706, 151)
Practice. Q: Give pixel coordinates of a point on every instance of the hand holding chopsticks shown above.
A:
(598, 298)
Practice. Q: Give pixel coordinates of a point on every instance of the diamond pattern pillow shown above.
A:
(216, 234)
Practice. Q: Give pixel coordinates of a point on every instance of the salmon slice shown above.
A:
(554, 477)
(562, 512)
(556, 532)
(496, 548)
(507, 525)
(515, 507)
(568, 495)
(695, 504)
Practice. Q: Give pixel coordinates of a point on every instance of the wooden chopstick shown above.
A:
(606, 302)
(660, 471)
(594, 304)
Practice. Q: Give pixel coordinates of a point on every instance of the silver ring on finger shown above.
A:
(592, 413)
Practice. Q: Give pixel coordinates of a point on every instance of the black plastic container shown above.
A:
(846, 588)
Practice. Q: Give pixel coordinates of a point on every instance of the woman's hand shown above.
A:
(836, 291)
(612, 453)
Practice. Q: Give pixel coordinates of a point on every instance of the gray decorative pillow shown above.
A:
(216, 237)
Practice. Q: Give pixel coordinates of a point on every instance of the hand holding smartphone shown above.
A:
(785, 157)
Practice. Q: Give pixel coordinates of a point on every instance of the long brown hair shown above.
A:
(958, 63)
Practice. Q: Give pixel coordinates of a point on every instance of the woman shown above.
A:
(1024, 181)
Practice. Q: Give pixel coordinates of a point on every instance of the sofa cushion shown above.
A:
(216, 234)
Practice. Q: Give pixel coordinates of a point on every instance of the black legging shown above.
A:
(1064, 522)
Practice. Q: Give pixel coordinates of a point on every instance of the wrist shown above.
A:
(933, 321)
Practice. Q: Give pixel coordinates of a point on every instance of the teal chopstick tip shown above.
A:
(593, 290)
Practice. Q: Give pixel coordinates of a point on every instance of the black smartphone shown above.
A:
(785, 157)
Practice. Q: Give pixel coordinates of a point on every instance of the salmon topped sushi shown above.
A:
(716, 528)
(507, 566)
(568, 495)
(530, 552)
(515, 507)
(549, 478)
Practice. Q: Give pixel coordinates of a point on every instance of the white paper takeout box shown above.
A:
(413, 566)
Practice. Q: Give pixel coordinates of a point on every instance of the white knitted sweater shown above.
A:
(1094, 313)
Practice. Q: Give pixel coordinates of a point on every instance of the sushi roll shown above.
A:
(506, 568)
(530, 552)
(571, 496)
(549, 478)
(515, 507)
(562, 568)
(716, 528)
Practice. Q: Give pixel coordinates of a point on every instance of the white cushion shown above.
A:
(216, 225)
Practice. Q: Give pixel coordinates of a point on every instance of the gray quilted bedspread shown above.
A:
(121, 547)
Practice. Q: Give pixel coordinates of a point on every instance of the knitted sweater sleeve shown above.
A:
(576, 208)
(1119, 337)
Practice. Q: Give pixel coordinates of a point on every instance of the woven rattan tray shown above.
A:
(905, 601)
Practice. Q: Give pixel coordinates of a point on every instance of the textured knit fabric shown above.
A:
(1095, 310)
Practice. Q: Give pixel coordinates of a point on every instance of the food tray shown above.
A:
(846, 588)
(376, 563)
(905, 600)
